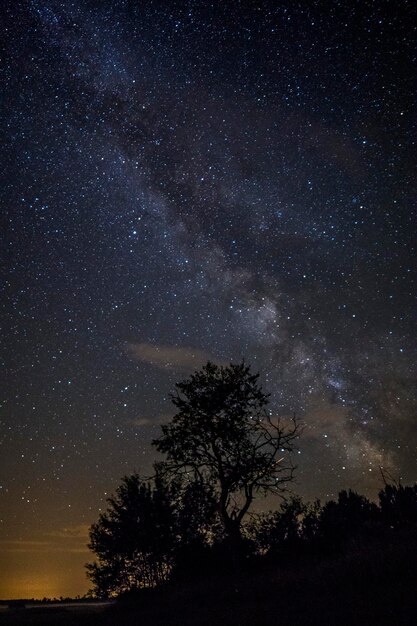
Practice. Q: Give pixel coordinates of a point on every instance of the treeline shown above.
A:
(153, 532)
(300, 528)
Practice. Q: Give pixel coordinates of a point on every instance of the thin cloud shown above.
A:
(50, 544)
(149, 421)
(71, 532)
(169, 357)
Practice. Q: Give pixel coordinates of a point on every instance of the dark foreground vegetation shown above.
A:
(371, 582)
(350, 561)
(184, 548)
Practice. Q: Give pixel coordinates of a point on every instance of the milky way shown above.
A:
(183, 182)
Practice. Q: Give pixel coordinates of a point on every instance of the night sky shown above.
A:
(184, 181)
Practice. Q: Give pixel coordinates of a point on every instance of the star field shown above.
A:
(184, 181)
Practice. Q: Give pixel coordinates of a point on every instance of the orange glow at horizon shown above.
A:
(45, 574)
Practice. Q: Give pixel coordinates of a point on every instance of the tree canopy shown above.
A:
(134, 539)
(224, 437)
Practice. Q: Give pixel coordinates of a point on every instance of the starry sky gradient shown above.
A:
(184, 181)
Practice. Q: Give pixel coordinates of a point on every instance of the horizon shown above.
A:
(63, 575)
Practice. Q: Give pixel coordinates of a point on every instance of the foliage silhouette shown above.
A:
(156, 531)
(352, 514)
(134, 539)
(223, 437)
(198, 530)
(150, 528)
(398, 505)
(288, 531)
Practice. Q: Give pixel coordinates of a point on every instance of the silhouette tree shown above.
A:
(352, 515)
(134, 539)
(398, 505)
(280, 530)
(197, 518)
(223, 437)
(199, 529)
(286, 532)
